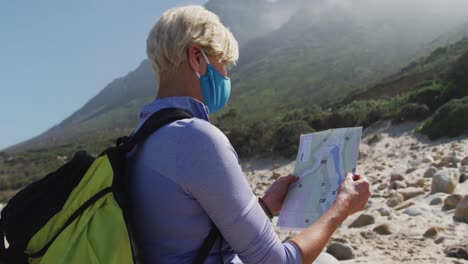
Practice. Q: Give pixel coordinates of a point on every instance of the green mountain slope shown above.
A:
(294, 53)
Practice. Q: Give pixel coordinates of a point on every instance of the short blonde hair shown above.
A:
(181, 27)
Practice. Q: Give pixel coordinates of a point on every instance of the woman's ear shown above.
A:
(194, 58)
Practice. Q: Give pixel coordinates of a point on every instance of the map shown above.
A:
(322, 162)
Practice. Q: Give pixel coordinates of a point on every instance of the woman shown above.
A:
(186, 176)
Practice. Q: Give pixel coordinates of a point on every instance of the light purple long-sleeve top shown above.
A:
(186, 175)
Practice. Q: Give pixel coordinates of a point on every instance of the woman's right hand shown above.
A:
(353, 193)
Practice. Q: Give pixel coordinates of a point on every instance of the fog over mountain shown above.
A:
(292, 53)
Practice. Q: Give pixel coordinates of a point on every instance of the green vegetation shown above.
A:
(276, 102)
(449, 121)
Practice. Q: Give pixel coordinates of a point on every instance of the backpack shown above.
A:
(79, 213)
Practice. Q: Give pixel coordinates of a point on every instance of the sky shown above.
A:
(55, 55)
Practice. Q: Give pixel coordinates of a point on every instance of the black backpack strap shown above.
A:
(2, 241)
(153, 123)
(207, 245)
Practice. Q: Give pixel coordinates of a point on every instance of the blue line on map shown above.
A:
(335, 151)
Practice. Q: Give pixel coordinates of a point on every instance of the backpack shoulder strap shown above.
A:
(208, 244)
(151, 125)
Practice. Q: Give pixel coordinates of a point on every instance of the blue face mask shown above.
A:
(215, 87)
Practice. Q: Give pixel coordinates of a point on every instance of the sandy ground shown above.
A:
(397, 150)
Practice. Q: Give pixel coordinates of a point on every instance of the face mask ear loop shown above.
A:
(206, 58)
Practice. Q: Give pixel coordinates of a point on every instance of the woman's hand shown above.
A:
(274, 196)
(353, 194)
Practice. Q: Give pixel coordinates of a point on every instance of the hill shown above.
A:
(293, 53)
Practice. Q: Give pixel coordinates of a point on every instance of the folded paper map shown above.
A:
(322, 162)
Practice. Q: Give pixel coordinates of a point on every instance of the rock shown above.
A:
(464, 162)
(463, 178)
(461, 211)
(428, 159)
(452, 201)
(414, 146)
(449, 162)
(436, 201)
(367, 234)
(418, 183)
(276, 166)
(395, 200)
(430, 172)
(362, 220)
(397, 185)
(275, 176)
(403, 206)
(396, 177)
(379, 167)
(439, 240)
(384, 229)
(410, 170)
(374, 139)
(382, 186)
(340, 251)
(432, 232)
(384, 211)
(415, 210)
(451, 159)
(457, 251)
(445, 181)
(463, 169)
(410, 192)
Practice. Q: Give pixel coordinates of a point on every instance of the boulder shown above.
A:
(464, 162)
(362, 220)
(457, 251)
(463, 169)
(382, 186)
(397, 185)
(432, 232)
(384, 211)
(445, 181)
(463, 177)
(430, 172)
(419, 183)
(436, 201)
(396, 177)
(461, 211)
(410, 192)
(451, 159)
(428, 159)
(404, 206)
(385, 229)
(340, 251)
(452, 201)
(395, 200)
(415, 210)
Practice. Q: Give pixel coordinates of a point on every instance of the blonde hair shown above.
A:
(178, 28)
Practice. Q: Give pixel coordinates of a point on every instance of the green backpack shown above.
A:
(78, 214)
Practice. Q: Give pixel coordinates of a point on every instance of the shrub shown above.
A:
(286, 137)
(459, 72)
(429, 94)
(450, 120)
(414, 112)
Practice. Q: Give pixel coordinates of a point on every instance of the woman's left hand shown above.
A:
(274, 196)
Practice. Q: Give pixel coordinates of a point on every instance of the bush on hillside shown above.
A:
(459, 72)
(450, 120)
(251, 140)
(414, 112)
(286, 137)
(429, 94)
